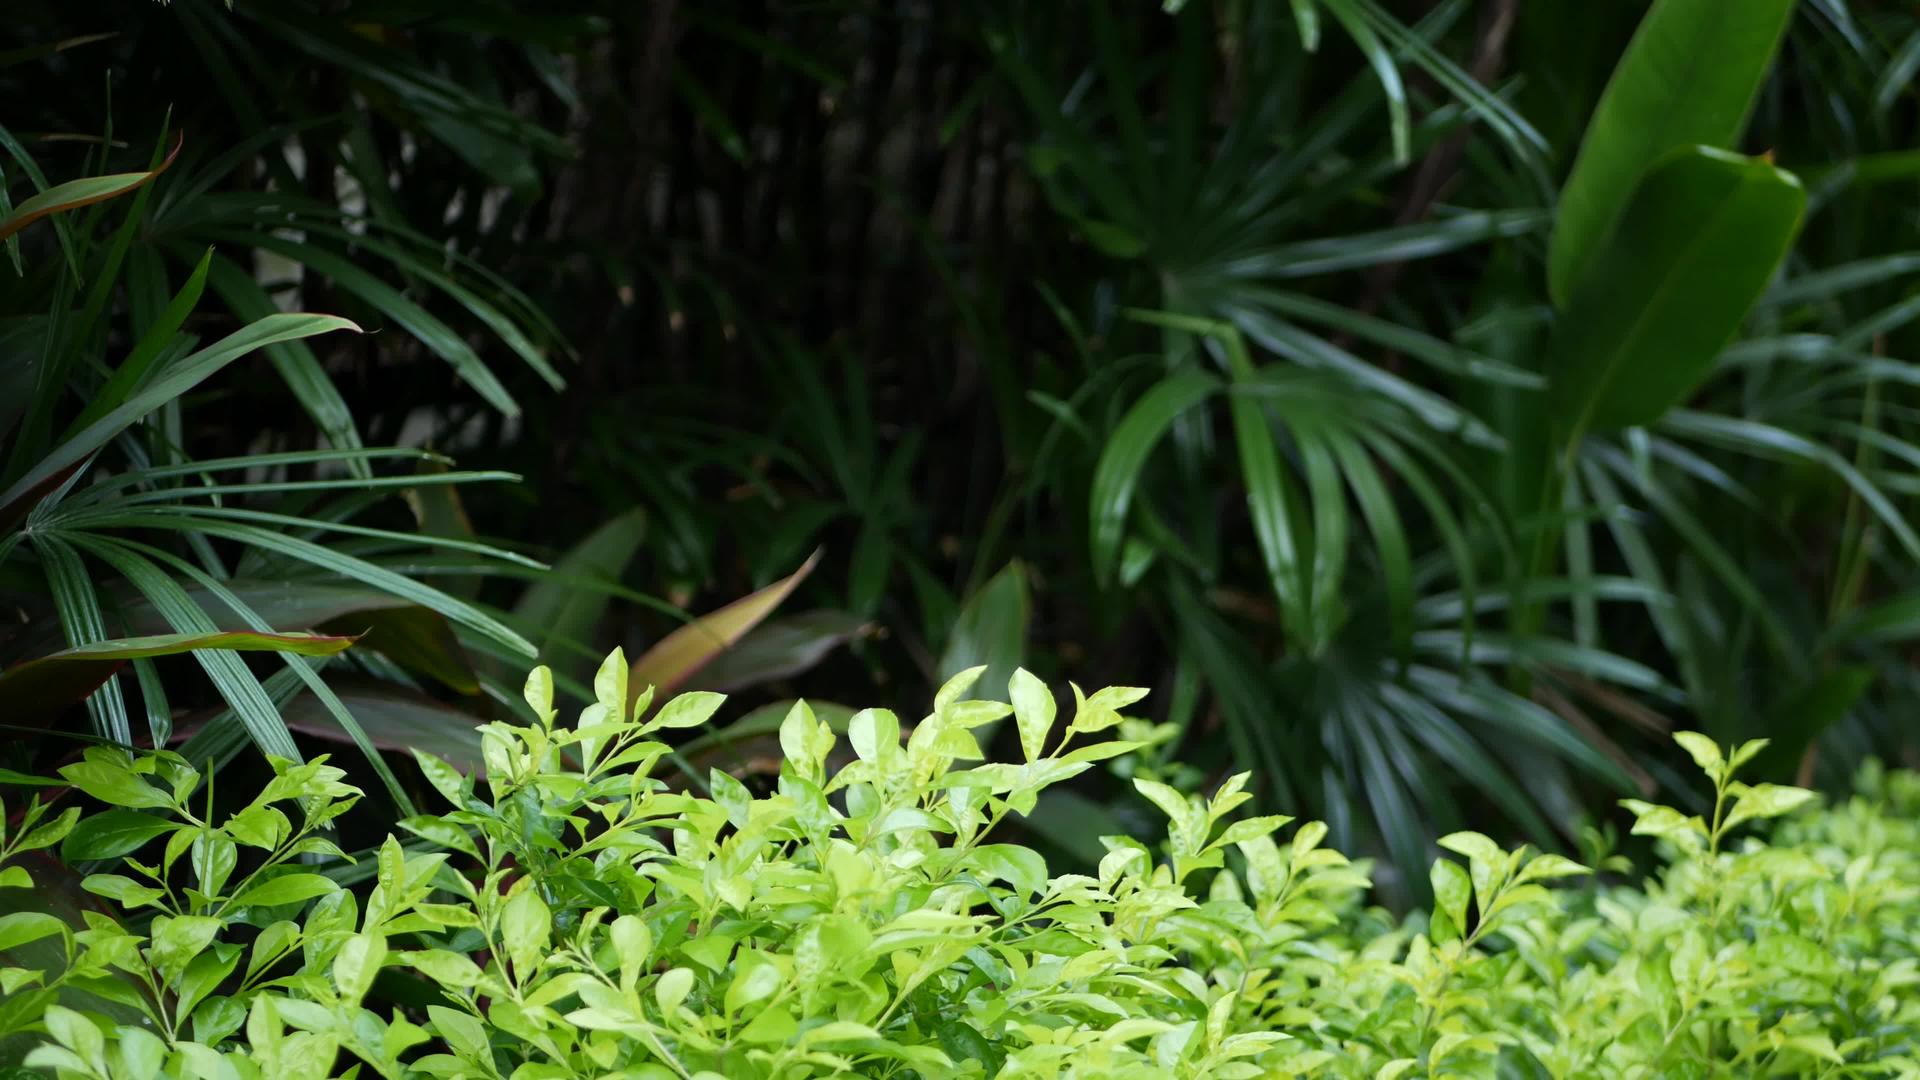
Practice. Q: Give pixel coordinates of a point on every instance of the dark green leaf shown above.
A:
(394, 719)
(1677, 272)
(780, 648)
(992, 630)
(565, 606)
(180, 377)
(1126, 452)
(1689, 78)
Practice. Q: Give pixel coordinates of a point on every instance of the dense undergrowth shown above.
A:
(1354, 369)
(573, 914)
(1447, 401)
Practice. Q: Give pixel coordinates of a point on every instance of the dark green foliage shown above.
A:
(1216, 345)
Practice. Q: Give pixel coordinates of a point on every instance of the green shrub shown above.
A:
(572, 915)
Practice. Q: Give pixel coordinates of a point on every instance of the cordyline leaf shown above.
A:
(280, 603)
(82, 192)
(1689, 77)
(781, 648)
(45, 685)
(394, 719)
(675, 658)
(417, 638)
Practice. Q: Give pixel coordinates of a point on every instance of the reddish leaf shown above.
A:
(395, 719)
(83, 192)
(50, 683)
(675, 658)
(780, 648)
(412, 636)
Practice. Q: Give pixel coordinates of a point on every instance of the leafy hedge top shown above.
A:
(572, 916)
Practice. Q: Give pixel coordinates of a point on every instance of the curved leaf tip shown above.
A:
(85, 191)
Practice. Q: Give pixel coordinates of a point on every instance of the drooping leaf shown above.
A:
(1126, 452)
(139, 364)
(180, 377)
(296, 362)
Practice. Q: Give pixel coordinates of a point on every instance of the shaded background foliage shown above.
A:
(726, 283)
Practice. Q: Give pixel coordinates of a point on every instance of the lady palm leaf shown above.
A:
(106, 505)
(66, 459)
(83, 623)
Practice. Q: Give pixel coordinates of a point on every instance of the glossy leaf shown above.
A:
(113, 833)
(1689, 78)
(1693, 250)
